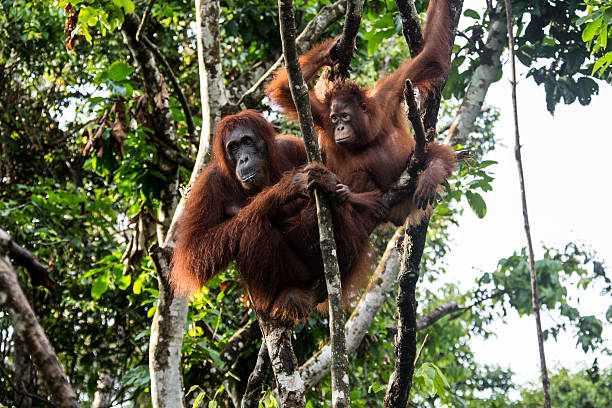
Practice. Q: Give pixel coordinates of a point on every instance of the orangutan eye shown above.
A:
(364, 107)
(334, 118)
(345, 116)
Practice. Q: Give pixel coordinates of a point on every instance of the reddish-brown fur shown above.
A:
(274, 235)
(388, 144)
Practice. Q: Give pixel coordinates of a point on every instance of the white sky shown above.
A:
(567, 165)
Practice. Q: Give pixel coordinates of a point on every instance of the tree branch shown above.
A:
(39, 274)
(318, 366)
(400, 381)
(26, 326)
(175, 83)
(299, 93)
(23, 392)
(411, 25)
(145, 18)
(346, 46)
(482, 78)
(252, 393)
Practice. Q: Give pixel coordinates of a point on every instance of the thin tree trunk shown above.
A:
(532, 271)
(299, 93)
(277, 336)
(171, 312)
(482, 78)
(252, 394)
(26, 326)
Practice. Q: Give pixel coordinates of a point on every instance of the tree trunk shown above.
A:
(482, 78)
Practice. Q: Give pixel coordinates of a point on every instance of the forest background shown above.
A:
(87, 183)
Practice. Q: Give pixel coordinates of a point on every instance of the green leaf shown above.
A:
(471, 13)
(477, 203)
(603, 36)
(127, 5)
(590, 30)
(609, 314)
(123, 282)
(100, 285)
(199, 399)
(119, 70)
(137, 288)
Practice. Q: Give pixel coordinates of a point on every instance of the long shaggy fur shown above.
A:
(385, 140)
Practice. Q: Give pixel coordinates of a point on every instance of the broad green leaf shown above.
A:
(123, 282)
(100, 285)
(127, 5)
(477, 203)
(590, 30)
(471, 13)
(119, 70)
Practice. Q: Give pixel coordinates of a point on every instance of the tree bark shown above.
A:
(171, 313)
(482, 78)
(252, 393)
(284, 363)
(210, 66)
(299, 93)
(411, 26)
(347, 41)
(400, 382)
(26, 326)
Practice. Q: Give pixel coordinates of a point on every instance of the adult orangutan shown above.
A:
(243, 208)
(362, 131)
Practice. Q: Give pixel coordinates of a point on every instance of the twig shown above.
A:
(344, 50)
(175, 83)
(532, 272)
(145, 18)
(411, 26)
(299, 93)
(418, 356)
(24, 392)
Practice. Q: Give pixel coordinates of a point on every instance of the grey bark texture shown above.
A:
(299, 93)
(252, 394)
(345, 47)
(482, 78)
(171, 313)
(26, 326)
(284, 363)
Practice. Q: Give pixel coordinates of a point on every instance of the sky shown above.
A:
(567, 166)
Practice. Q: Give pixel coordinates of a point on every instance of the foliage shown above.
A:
(597, 32)
(590, 387)
(81, 174)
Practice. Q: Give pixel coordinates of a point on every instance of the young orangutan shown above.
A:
(362, 131)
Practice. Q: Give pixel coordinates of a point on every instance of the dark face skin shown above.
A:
(346, 118)
(247, 154)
